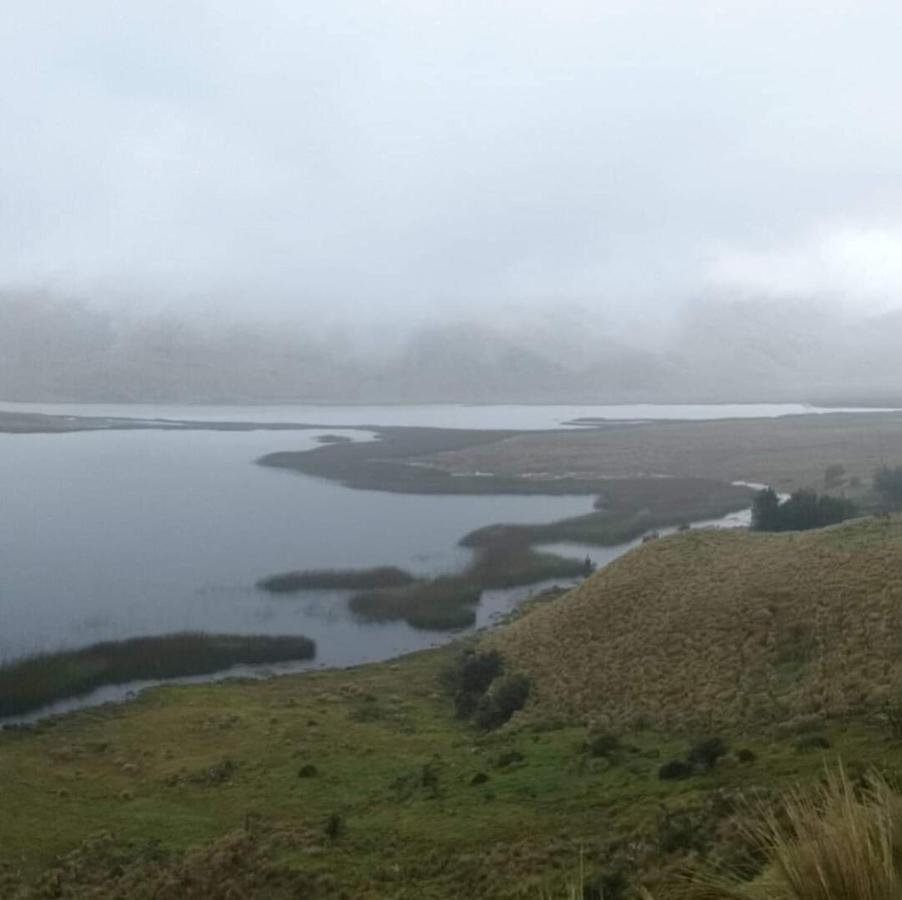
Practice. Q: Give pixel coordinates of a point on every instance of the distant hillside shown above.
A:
(712, 629)
(52, 348)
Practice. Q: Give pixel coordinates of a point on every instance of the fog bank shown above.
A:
(751, 349)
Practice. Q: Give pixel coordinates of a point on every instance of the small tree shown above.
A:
(888, 484)
(766, 510)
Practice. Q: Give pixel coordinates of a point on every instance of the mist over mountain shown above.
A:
(745, 350)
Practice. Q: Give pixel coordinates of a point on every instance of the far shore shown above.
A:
(47, 423)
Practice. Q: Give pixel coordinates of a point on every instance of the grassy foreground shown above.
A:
(35, 681)
(359, 784)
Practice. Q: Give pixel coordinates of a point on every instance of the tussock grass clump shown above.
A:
(829, 843)
(35, 681)
(336, 579)
(693, 632)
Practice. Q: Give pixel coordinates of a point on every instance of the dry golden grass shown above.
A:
(830, 843)
(789, 452)
(719, 629)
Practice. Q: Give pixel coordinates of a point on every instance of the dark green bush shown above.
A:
(746, 756)
(813, 742)
(334, 827)
(704, 754)
(469, 677)
(507, 696)
(674, 770)
(605, 744)
(802, 511)
(509, 758)
(888, 484)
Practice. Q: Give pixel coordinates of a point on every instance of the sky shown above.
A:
(401, 161)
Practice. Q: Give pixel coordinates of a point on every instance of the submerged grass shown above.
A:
(445, 603)
(35, 681)
(336, 579)
(437, 604)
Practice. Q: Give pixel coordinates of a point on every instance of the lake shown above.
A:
(113, 534)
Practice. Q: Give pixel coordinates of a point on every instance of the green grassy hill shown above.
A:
(723, 629)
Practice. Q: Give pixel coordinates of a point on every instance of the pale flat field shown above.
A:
(788, 453)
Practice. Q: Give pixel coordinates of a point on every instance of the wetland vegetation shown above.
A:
(442, 603)
(35, 681)
(336, 579)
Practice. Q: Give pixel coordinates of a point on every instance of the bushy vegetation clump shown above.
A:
(481, 692)
(506, 696)
(888, 485)
(801, 511)
(470, 677)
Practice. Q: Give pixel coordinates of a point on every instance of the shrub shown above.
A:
(893, 712)
(604, 744)
(813, 742)
(429, 779)
(308, 771)
(509, 758)
(746, 756)
(469, 677)
(610, 884)
(674, 770)
(334, 827)
(508, 695)
(802, 511)
(765, 510)
(704, 754)
(888, 484)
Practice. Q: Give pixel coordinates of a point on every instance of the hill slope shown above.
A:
(723, 628)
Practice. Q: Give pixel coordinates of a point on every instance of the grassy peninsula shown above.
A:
(34, 681)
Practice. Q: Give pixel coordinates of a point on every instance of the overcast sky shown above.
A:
(430, 158)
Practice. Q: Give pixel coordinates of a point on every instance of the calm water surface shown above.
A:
(115, 534)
